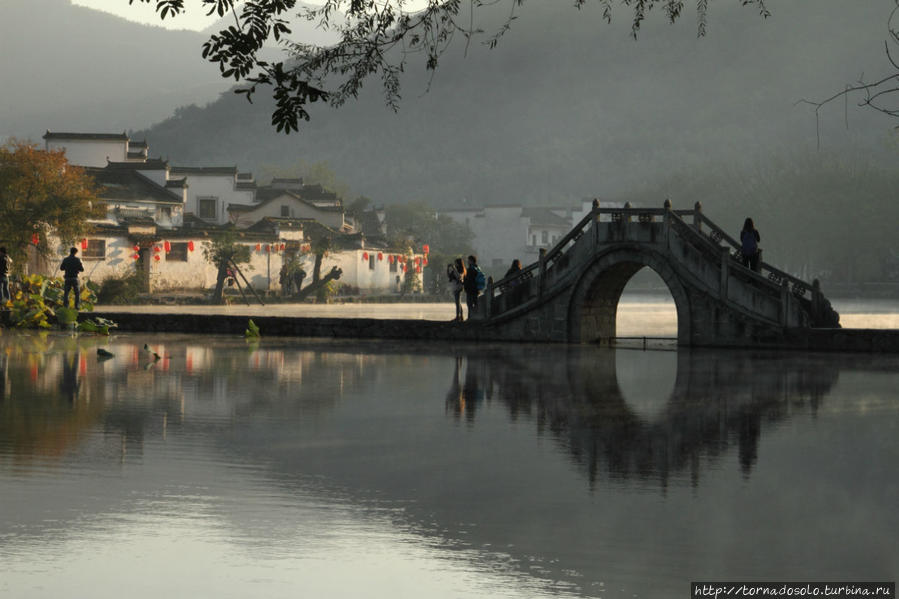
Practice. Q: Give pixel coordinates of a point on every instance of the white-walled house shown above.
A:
(211, 189)
(277, 203)
(95, 149)
(160, 218)
(503, 233)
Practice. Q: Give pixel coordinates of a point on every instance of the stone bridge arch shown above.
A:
(593, 304)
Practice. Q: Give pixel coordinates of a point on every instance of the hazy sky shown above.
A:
(195, 17)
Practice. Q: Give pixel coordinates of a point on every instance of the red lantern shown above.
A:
(190, 245)
(390, 258)
(405, 268)
(167, 246)
(268, 247)
(380, 256)
(417, 261)
(365, 256)
(84, 244)
(426, 249)
(136, 256)
(424, 261)
(418, 268)
(136, 248)
(156, 248)
(258, 247)
(35, 239)
(156, 257)
(283, 246)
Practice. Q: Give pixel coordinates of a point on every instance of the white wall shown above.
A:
(262, 271)
(90, 152)
(218, 186)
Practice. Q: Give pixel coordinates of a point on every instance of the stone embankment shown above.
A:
(834, 340)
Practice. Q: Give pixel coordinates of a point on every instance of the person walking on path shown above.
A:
(5, 267)
(472, 283)
(71, 265)
(455, 272)
(749, 240)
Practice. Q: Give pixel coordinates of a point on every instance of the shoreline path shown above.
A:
(634, 317)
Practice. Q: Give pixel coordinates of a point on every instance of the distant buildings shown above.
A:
(159, 218)
(503, 233)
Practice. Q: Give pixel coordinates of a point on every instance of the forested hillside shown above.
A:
(567, 106)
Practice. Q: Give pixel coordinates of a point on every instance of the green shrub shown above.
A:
(117, 291)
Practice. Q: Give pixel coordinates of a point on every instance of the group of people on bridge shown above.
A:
(472, 280)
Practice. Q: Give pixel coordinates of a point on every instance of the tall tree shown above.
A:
(41, 193)
(376, 39)
(224, 252)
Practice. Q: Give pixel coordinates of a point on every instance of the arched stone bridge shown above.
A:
(571, 294)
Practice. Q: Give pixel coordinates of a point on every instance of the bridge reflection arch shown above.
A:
(593, 306)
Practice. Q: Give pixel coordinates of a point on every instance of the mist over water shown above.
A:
(384, 469)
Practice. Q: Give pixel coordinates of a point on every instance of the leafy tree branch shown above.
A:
(376, 39)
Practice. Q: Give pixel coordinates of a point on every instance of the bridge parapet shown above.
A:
(698, 255)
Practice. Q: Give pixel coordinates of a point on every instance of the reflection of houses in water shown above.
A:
(718, 400)
(65, 391)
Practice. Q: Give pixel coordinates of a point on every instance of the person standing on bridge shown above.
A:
(455, 272)
(473, 282)
(72, 266)
(749, 240)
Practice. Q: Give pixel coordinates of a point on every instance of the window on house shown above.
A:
(96, 250)
(166, 211)
(178, 253)
(533, 240)
(207, 207)
(285, 211)
(544, 237)
(371, 262)
(393, 266)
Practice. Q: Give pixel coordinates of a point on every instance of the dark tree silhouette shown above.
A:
(881, 94)
(376, 39)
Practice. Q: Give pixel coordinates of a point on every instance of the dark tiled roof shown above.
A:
(544, 217)
(151, 164)
(139, 221)
(97, 136)
(176, 183)
(244, 176)
(203, 170)
(245, 185)
(264, 195)
(286, 183)
(130, 185)
(137, 144)
(138, 154)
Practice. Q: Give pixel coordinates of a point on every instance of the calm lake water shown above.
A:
(313, 468)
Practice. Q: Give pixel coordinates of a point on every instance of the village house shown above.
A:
(159, 218)
(503, 233)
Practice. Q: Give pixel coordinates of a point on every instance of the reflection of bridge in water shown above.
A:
(712, 403)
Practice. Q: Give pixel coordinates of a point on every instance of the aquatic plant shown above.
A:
(38, 302)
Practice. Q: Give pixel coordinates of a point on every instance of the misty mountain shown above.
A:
(567, 107)
(70, 68)
(300, 28)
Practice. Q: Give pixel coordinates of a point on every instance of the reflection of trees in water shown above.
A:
(53, 389)
(720, 399)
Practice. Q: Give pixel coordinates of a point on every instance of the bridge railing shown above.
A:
(531, 281)
(778, 277)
